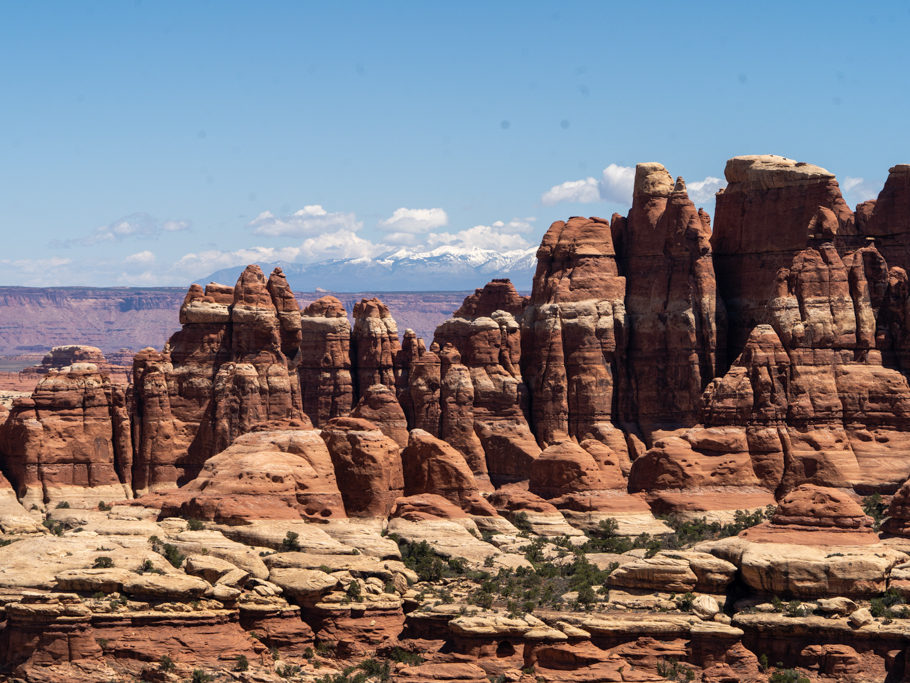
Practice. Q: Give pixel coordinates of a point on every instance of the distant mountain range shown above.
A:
(403, 270)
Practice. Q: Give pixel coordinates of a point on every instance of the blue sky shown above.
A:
(151, 143)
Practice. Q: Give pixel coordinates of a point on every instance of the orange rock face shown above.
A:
(221, 376)
(374, 345)
(367, 466)
(262, 475)
(676, 319)
(574, 335)
(70, 441)
(484, 396)
(432, 466)
(325, 361)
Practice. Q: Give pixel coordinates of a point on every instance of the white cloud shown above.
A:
(858, 190)
(480, 237)
(615, 185)
(578, 191)
(139, 225)
(309, 220)
(415, 220)
(142, 257)
(703, 191)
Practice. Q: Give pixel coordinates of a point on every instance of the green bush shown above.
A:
(787, 676)
(103, 562)
(875, 507)
(290, 542)
(194, 524)
(200, 676)
(166, 664)
(243, 664)
(104, 507)
(63, 505)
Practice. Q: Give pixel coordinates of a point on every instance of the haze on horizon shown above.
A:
(155, 143)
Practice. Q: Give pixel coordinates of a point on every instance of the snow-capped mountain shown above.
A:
(443, 268)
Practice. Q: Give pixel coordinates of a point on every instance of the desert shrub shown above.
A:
(787, 676)
(194, 524)
(875, 507)
(290, 542)
(103, 562)
(166, 664)
(399, 654)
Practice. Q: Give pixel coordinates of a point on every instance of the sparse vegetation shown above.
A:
(171, 552)
(353, 592)
(674, 671)
(200, 676)
(243, 664)
(288, 670)
(290, 542)
(399, 654)
(104, 507)
(890, 605)
(787, 676)
(194, 524)
(166, 664)
(63, 505)
(875, 507)
(103, 562)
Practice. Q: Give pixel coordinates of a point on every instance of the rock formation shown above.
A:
(374, 345)
(675, 317)
(220, 376)
(762, 221)
(69, 442)
(262, 475)
(574, 336)
(367, 465)
(325, 361)
(484, 397)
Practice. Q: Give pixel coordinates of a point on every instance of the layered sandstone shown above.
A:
(762, 220)
(220, 376)
(575, 331)
(374, 345)
(70, 441)
(367, 466)
(484, 396)
(675, 316)
(272, 475)
(325, 361)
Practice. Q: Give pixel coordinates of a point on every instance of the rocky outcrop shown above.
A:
(574, 333)
(484, 396)
(432, 466)
(222, 375)
(367, 466)
(763, 219)
(263, 475)
(379, 406)
(325, 361)
(374, 345)
(675, 317)
(818, 404)
(69, 442)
